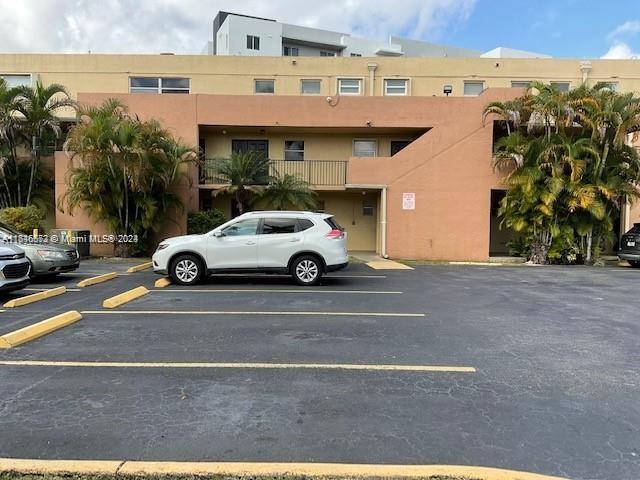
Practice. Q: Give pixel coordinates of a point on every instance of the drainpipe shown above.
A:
(585, 68)
(383, 223)
(372, 70)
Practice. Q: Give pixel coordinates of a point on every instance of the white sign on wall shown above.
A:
(408, 201)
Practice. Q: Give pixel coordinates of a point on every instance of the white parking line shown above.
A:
(220, 312)
(275, 290)
(244, 365)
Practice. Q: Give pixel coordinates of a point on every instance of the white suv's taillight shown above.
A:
(335, 234)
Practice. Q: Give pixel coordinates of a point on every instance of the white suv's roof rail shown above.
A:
(282, 212)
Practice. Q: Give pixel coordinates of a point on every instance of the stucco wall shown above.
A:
(234, 75)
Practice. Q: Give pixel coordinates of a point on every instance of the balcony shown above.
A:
(318, 173)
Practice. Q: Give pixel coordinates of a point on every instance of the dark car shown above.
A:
(630, 246)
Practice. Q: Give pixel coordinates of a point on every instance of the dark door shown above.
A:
(243, 146)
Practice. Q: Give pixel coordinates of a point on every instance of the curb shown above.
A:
(99, 279)
(256, 469)
(124, 297)
(142, 266)
(31, 332)
(35, 297)
(162, 282)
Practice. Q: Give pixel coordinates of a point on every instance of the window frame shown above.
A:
(366, 205)
(360, 81)
(255, 233)
(528, 83)
(285, 150)
(353, 147)
(407, 83)
(293, 220)
(327, 53)
(284, 49)
(159, 89)
(612, 85)
(255, 84)
(473, 82)
(253, 42)
(563, 82)
(13, 74)
(316, 80)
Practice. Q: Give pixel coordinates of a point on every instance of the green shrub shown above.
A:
(204, 221)
(23, 219)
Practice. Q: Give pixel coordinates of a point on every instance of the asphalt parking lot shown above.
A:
(534, 369)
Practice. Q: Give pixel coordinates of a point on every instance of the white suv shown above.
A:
(302, 244)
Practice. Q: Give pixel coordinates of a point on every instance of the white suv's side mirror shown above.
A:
(218, 233)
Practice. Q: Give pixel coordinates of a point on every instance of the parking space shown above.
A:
(523, 368)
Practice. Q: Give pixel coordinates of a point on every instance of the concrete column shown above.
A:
(372, 70)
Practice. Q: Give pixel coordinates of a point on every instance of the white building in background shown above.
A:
(236, 34)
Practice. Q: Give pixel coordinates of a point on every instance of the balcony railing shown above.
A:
(318, 173)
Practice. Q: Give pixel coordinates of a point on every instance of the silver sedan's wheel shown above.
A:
(307, 271)
(186, 270)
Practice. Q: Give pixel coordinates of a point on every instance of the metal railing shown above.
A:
(325, 173)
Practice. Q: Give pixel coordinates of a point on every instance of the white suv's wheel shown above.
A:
(307, 270)
(186, 270)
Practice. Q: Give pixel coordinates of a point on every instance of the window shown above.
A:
(324, 53)
(612, 86)
(304, 224)
(271, 226)
(368, 208)
(174, 85)
(473, 88)
(520, 84)
(396, 86)
(349, 86)
(17, 80)
(365, 148)
(290, 51)
(356, 54)
(294, 150)
(243, 227)
(264, 86)
(562, 86)
(253, 42)
(310, 87)
(158, 85)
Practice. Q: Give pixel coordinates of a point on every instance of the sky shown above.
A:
(561, 28)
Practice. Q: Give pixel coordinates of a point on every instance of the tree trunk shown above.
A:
(123, 249)
(539, 253)
(589, 244)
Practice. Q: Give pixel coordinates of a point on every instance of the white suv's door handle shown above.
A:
(294, 240)
(250, 242)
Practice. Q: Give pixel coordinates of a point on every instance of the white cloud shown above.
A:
(184, 26)
(631, 27)
(620, 50)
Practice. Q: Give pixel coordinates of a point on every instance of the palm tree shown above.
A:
(289, 191)
(127, 172)
(244, 175)
(511, 112)
(39, 105)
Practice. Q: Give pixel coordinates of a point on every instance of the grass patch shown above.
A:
(19, 476)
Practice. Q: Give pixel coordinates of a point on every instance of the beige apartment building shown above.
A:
(395, 147)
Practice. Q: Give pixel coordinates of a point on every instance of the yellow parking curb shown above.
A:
(125, 297)
(99, 279)
(31, 332)
(18, 302)
(162, 282)
(137, 268)
(261, 469)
